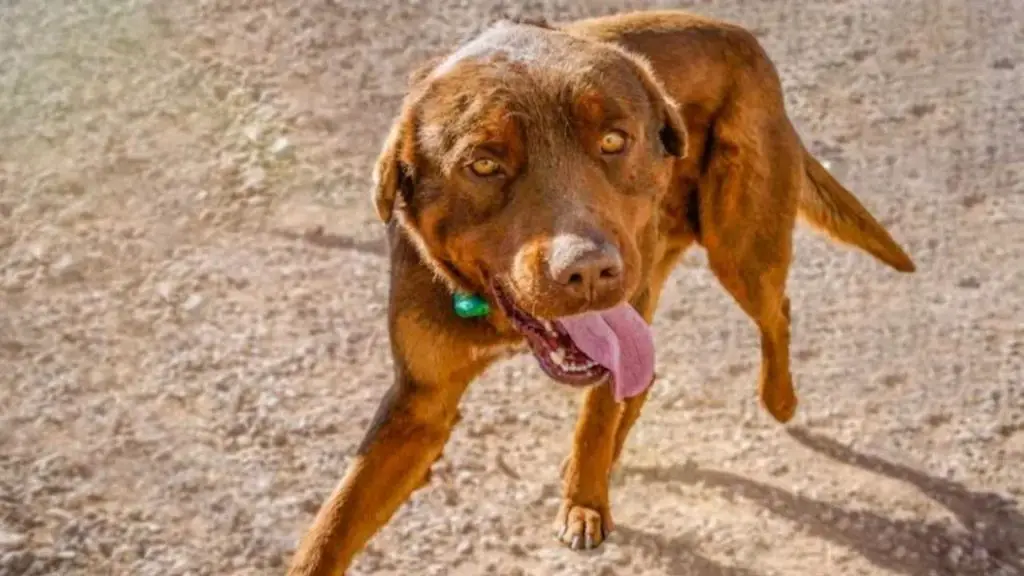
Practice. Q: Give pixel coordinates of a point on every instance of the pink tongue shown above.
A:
(619, 340)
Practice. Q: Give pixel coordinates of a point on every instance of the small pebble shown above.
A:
(282, 149)
(64, 267)
(253, 132)
(192, 302)
(164, 290)
(255, 179)
(11, 540)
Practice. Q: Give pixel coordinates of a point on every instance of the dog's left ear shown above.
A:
(672, 131)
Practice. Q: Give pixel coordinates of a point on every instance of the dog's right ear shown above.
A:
(394, 173)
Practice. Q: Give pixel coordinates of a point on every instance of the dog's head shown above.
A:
(529, 166)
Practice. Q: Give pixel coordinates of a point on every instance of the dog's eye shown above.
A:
(485, 167)
(613, 142)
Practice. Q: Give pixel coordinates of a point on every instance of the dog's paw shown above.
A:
(781, 404)
(778, 397)
(582, 528)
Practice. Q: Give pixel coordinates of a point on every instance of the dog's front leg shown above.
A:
(584, 519)
(407, 435)
(434, 363)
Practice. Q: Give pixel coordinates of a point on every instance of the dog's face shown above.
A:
(529, 166)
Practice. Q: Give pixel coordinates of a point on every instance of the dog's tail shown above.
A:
(834, 210)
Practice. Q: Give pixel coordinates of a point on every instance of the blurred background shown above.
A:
(192, 294)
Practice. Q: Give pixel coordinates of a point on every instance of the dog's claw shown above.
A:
(576, 542)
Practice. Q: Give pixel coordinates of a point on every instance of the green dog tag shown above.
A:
(470, 306)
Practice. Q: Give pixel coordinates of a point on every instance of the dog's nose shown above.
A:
(585, 267)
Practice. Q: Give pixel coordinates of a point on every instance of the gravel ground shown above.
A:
(186, 373)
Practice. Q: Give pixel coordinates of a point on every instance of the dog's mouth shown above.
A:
(589, 348)
(557, 354)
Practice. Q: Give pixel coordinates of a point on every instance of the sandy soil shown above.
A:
(183, 377)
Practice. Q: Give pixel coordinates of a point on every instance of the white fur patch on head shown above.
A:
(431, 136)
(514, 41)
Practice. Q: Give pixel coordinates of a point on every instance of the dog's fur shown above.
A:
(712, 159)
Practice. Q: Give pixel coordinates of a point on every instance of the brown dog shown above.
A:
(560, 173)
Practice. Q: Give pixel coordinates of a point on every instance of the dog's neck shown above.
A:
(416, 283)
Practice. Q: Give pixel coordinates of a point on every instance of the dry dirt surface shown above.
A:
(185, 372)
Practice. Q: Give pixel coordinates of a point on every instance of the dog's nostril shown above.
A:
(583, 265)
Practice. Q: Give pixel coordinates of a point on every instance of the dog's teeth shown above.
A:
(585, 367)
(558, 356)
(549, 327)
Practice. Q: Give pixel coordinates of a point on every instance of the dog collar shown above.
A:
(470, 305)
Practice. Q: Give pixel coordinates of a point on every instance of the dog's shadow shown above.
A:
(677, 554)
(988, 542)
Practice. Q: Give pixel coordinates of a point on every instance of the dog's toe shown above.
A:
(582, 528)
